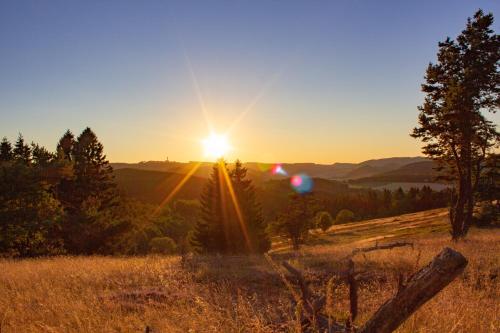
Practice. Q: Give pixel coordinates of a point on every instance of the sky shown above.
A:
(290, 81)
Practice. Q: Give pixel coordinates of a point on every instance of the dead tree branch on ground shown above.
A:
(420, 288)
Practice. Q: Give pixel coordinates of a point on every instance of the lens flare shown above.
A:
(277, 169)
(301, 183)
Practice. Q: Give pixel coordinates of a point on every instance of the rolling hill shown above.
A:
(259, 172)
(418, 172)
(152, 181)
(154, 186)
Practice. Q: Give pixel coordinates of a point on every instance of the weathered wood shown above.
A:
(420, 288)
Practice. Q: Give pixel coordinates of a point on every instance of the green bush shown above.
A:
(324, 220)
(344, 216)
(163, 245)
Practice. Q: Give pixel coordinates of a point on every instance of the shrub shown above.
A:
(163, 245)
(324, 220)
(344, 216)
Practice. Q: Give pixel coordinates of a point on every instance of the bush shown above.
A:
(324, 221)
(162, 245)
(487, 214)
(344, 216)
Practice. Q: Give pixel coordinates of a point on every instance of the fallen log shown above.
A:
(420, 288)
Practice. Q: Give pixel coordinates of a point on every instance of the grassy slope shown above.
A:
(229, 294)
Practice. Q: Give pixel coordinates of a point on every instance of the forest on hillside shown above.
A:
(69, 201)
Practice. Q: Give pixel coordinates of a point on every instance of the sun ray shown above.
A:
(236, 206)
(177, 188)
(197, 90)
(265, 88)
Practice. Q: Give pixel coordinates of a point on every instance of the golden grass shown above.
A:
(239, 294)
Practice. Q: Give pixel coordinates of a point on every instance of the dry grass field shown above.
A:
(236, 294)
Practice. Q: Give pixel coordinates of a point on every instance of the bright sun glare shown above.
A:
(216, 145)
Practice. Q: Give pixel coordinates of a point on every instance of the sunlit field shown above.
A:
(244, 294)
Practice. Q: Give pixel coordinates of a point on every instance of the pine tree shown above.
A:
(6, 153)
(464, 82)
(22, 152)
(296, 221)
(231, 219)
(209, 234)
(41, 156)
(89, 197)
(65, 146)
(257, 239)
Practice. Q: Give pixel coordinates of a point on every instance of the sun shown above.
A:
(216, 146)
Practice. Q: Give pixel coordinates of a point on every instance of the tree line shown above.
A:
(67, 201)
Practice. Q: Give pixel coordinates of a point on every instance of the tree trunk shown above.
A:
(421, 287)
(469, 208)
(458, 216)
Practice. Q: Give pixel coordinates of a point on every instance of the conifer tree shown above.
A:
(295, 222)
(41, 156)
(22, 152)
(463, 83)
(226, 226)
(251, 211)
(88, 197)
(6, 153)
(65, 146)
(208, 234)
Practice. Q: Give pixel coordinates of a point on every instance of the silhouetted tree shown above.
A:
(89, 198)
(22, 152)
(6, 153)
(30, 216)
(65, 146)
(464, 82)
(41, 157)
(231, 219)
(296, 221)
(251, 212)
(209, 234)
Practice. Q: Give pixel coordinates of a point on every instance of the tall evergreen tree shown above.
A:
(208, 234)
(6, 153)
(30, 216)
(41, 156)
(231, 219)
(257, 239)
(65, 146)
(88, 197)
(22, 152)
(463, 83)
(296, 221)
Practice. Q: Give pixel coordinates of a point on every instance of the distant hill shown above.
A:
(418, 172)
(260, 172)
(152, 181)
(154, 186)
(363, 171)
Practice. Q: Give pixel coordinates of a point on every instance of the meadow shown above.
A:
(245, 294)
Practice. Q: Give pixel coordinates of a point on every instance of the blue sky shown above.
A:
(323, 81)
